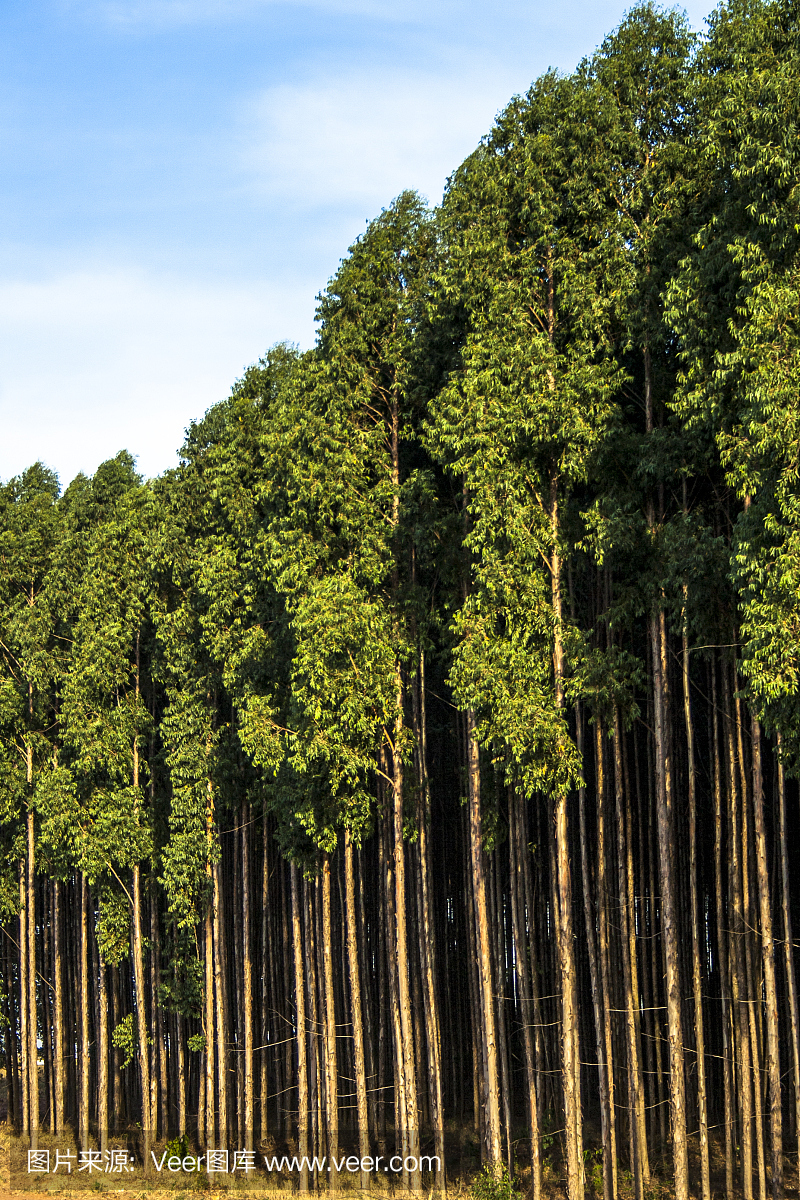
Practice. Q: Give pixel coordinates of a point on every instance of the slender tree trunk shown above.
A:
(427, 929)
(594, 980)
(24, 1011)
(9, 1041)
(788, 946)
(485, 983)
(697, 989)
(236, 1014)
(83, 1094)
(137, 950)
(722, 941)
(180, 1057)
(598, 1005)
(517, 849)
(221, 1009)
(102, 1055)
(33, 1051)
(738, 985)
(411, 1128)
(283, 1063)
(628, 954)
(58, 1008)
(570, 1050)
(604, 955)
(300, 1008)
(367, 1001)
(767, 951)
(666, 841)
(247, 983)
(208, 1022)
(119, 1108)
(752, 986)
(541, 1052)
(265, 981)
(331, 1064)
(399, 1079)
(137, 954)
(355, 1006)
(497, 922)
(477, 1057)
(313, 1022)
(158, 1091)
(47, 1000)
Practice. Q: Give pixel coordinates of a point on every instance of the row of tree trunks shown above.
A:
(340, 960)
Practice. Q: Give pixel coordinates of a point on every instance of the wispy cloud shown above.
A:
(127, 359)
(364, 138)
(165, 13)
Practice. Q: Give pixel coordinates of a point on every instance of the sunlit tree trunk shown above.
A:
(669, 916)
(697, 990)
(638, 1129)
(767, 951)
(594, 977)
(570, 1051)
(300, 1009)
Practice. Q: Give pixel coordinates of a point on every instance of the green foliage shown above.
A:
(113, 924)
(734, 304)
(494, 1183)
(123, 1036)
(177, 1147)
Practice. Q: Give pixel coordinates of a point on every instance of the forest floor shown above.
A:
(22, 1186)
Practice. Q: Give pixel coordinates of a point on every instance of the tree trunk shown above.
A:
(158, 1091)
(594, 981)
(697, 989)
(247, 982)
(603, 955)
(208, 1024)
(517, 849)
(722, 940)
(24, 1013)
(180, 1071)
(570, 1049)
(221, 1010)
(300, 1008)
(137, 954)
(770, 990)
(428, 934)
(788, 946)
(137, 950)
(485, 983)
(665, 821)
(313, 1023)
(33, 1051)
(738, 984)
(102, 1056)
(119, 1107)
(83, 1094)
(411, 1128)
(266, 967)
(58, 1008)
(355, 1006)
(638, 1133)
(331, 1064)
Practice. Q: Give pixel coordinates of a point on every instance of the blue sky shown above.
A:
(181, 177)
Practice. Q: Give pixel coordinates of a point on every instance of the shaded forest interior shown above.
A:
(414, 768)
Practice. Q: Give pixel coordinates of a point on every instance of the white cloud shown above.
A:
(100, 360)
(165, 13)
(367, 137)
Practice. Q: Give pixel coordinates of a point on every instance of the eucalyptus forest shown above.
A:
(414, 767)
